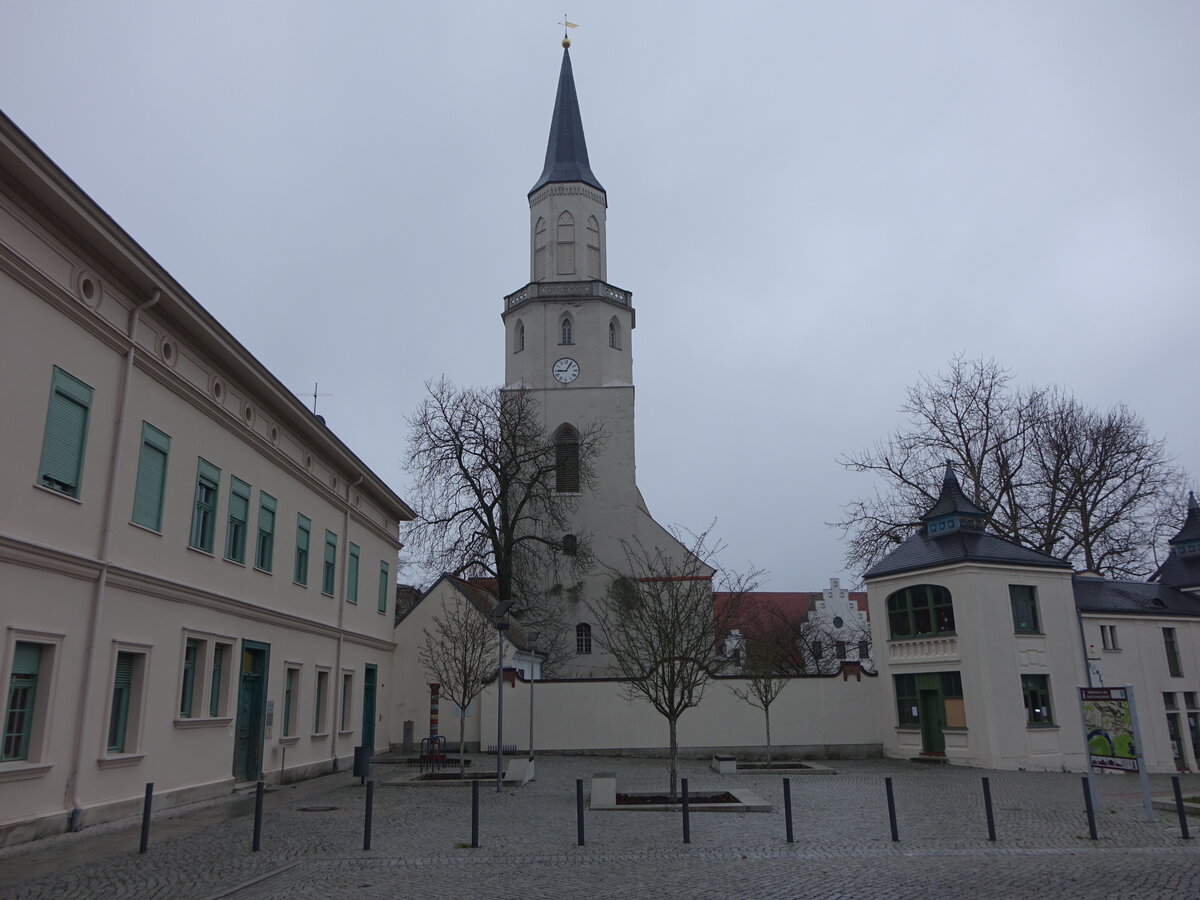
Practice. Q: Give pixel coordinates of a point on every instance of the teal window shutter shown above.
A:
(383, 586)
(151, 478)
(330, 569)
(22, 700)
(122, 689)
(303, 533)
(239, 514)
(204, 511)
(264, 547)
(189, 678)
(214, 695)
(289, 693)
(352, 575)
(66, 434)
(319, 703)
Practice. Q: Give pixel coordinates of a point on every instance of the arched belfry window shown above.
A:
(593, 247)
(566, 460)
(539, 250)
(922, 610)
(583, 638)
(519, 337)
(567, 331)
(566, 244)
(614, 333)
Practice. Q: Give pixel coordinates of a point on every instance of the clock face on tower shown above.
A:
(566, 370)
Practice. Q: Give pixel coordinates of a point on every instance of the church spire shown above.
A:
(953, 509)
(566, 151)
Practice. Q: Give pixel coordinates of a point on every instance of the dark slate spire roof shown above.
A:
(953, 500)
(1191, 525)
(566, 151)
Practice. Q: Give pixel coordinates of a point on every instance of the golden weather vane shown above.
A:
(565, 23)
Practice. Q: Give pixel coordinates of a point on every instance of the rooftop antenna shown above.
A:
(566, 24)
(316, 394)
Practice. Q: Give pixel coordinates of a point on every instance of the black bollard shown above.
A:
(987, 807)
(579, 808)
(787, 808)
(145, 842)
(258, 805)
(475, 813)
(1091, 813)
(687, 825)
(887, 782)
(1183, 825)
(370, 808)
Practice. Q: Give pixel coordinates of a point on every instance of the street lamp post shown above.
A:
(533, 639)
(498, 613)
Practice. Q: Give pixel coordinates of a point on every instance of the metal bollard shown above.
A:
(145, 842)
(787, 808)
(258, 807)
(370, 809)
(1091, 813)
(687, 825)
(987, 807)
(891, 799)
(1183, 823)
(579, 808)
(475, 813)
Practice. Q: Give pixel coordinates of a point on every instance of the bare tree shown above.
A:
(458, 654)
(1073, 482)
(488, 485)
(663, 631)
(767, 646)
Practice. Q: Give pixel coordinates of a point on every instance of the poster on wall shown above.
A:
(1109, 728)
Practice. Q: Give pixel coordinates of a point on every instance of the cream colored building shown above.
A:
(196, 575)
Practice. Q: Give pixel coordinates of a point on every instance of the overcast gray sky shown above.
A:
(813, 203)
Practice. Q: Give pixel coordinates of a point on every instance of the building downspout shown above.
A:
(74, 821)
(341, 602)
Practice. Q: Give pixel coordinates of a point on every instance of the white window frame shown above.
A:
(291, 711)
(36, 762)
(321, 728)
(135, 721)
(202, 685)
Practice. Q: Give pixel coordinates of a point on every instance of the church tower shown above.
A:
(569, 339)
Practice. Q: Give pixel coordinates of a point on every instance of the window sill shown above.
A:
(1038, 634)
(22, 769)
(915, 729)
(1112, 649)
(263, 571)
(303, 584)
(1041, 726)
(289, 740)
(203, 722)
(345, 733)
(201, 551)
(146, 528)
(118, 760)
(382, 612)
(236, 562)
(327, 594)
(318, 736)
(49, 490)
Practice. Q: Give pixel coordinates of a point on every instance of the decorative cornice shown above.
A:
(569, 290)
(570, 189)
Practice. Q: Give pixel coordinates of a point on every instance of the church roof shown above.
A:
(566, 151)
(1182, 567)
(1191, 525)
(952, 499)
(1098, 595)
(921, 551)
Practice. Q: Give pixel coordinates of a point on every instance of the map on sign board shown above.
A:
(1108, 723)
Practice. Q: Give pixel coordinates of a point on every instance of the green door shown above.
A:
(251, 711)
(933, 719)
(368, 725)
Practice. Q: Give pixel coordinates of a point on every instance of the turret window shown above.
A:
(539, 250)
(583, 638)
(923, 610)
(593, 244)
(566, 460)
(519, 337)
(566, 244)
(567, 331)
(614, 334)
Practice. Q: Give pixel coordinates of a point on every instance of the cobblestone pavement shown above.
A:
(528, 841)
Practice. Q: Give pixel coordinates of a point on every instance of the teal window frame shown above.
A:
(21, 704)
(64, 442)
(220, 658)
(384, 576)
(1171, 647)
(118, 722)
(352, 574)
(206, 506)
(187, 694)
(920, 611)
(239, 517)
(290, 678)
(303, 542)
(329, 567)
(264, 544)
(907, 700)
(1038, 711)
(150, 488)
(1023, 598)
(320, 702)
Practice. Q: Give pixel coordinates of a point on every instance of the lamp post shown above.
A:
(498, 613)
(533, 639)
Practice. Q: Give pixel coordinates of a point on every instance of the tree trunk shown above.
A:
(673, 754)
(767, 714)
(462, 730)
